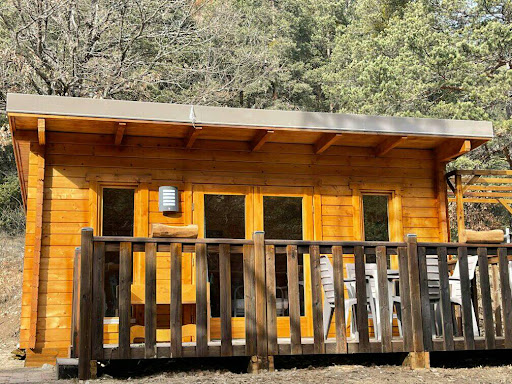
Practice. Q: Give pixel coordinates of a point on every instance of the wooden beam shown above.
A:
(325, 141)
(442, 202)
(388, 144)
(471, 181)
(40, 150)
(450, 184)
(121, 127)
(451, 149)
(12, 125)
(506, 205)
(461, 226)
(261, 138)
(192, 135)
(41, 131)
(475, 143)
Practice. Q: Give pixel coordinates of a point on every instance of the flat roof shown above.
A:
(243, 117)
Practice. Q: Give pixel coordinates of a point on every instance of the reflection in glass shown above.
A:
(225, 219)
(118, 218)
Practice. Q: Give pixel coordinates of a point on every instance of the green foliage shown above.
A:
(425, 58)
(12, 214)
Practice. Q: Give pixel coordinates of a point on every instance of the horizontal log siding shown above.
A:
(71, 157)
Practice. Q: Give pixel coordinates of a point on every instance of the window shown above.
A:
(118, 208)
(117, 220)
(282, 217)
(282, 220)
(376, 221)
(225, 218)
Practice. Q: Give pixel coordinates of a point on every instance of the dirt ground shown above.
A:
(11, 277)
(341, 374)
(320, 370)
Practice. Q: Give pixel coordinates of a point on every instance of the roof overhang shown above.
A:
(240, 117)
(44, 119)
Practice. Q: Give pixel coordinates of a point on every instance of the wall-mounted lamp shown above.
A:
(168, 199)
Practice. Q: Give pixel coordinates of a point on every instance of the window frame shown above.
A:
(395, 219)
(388, 210)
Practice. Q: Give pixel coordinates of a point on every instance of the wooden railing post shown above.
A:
(261, 300)
(84, 335)
(418, 358)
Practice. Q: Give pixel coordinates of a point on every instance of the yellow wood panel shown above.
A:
(220, 167)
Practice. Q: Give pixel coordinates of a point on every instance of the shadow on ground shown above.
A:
(143, 368)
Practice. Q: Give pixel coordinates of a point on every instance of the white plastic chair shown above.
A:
(327, 277)
(455, 288)
(281, 301)
(433, 293)
(394, 301)
(238, 305)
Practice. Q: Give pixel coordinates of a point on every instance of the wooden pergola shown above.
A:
(479, 186)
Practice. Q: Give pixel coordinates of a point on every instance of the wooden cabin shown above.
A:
(312, 182)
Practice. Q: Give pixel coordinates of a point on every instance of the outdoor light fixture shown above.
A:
(168, 199)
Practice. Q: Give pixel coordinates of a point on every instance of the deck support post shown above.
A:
(84, 330)
(419, 357)
(417, 360)
(260, 362)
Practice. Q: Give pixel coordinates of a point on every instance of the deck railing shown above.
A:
(261, 340)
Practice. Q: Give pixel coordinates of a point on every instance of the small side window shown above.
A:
(376, 218)
(117, 220)
(118, 211)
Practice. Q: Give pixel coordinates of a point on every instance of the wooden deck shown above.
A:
(137, 351)
(261, 339)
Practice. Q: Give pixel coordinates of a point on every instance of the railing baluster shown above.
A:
(294, 299)
(316, 293)
(405, 299)
(506, 296)
(125, 281)
(361, 295)
(249, 302)
(98, 294)
(75, 306)
(201, 302)
(467, 308)
(445, 303)
(150, 301)
(176, 307)
(339, 300)
(270, 265)
(226, 346)
(385, 323)
(485, 289)
(425, 299)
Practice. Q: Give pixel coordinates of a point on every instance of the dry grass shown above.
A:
(11, 277)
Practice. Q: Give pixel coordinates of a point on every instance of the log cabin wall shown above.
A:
(76, 163)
